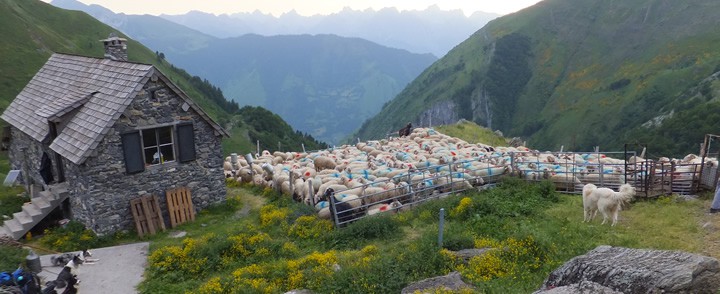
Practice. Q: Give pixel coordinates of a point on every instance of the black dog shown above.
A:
(66, 280)
(345, 211)
(406, 130)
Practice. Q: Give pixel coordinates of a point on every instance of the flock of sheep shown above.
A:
(394, 173)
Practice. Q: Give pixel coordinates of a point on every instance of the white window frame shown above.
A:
(157, 147)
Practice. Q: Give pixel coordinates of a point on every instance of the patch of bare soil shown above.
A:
(710, 226)
(250, 202)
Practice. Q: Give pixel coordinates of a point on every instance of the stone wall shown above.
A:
(26, 153)
(101, 189)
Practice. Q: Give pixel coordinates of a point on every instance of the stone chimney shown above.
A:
(115, 48)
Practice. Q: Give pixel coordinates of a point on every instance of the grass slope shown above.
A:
(578, 73)
(261, 242)
(274, 245)
(472, 133)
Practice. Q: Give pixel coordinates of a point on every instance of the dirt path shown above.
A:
(250, 202)
(119, 269)
(710, 225)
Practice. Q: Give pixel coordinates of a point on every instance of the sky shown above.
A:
(302, 7)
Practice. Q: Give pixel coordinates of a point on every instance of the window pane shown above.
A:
(167, 152)
(165, 135)
(149, 138)
(151, 157)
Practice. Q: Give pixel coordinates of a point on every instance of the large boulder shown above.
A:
(640, 271)
(453, 282)
(584, 287)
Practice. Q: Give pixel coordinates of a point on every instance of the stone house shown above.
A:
(110, 130)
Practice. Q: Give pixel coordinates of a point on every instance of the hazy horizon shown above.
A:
(305, 8)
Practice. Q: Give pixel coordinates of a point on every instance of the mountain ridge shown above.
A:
(431, 30)
(594, 76)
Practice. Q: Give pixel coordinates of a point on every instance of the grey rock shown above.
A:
(441, 113)
(453, 281)
(516, 142)
(640, 271)
(178, 234)
(300, 291)
(584, 287)
(467, 254)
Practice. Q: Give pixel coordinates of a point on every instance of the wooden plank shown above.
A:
(136, 212)
(146, 210)
(178, 202)
(171, 208)
(157, 214)
(189, 206)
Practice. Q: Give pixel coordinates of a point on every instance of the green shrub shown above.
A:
(11, 257)
(382, 226)
(11, 201)
(75, 237)
(457, 237)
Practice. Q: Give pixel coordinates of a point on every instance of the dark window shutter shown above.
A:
(186, 142)
(132, 149)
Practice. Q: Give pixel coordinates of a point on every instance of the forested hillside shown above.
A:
(323, 85)
(578, 73)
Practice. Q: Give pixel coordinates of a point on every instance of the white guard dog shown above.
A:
(606, 201)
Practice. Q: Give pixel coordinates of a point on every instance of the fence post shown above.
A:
(292, 191)
(333, 211)
(452, 186)
(303, 147)
(258, 147)
(512, 163)
(672, 176)
(441, 227)
(311, 193)
(602, 172)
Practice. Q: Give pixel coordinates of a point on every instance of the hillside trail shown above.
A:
(249, 202)
(710, 225)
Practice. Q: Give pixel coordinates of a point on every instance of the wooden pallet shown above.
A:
(180, 206)
(147, 215)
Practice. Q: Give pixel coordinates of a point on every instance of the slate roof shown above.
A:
(99, 89)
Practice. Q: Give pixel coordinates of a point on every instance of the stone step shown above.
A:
(23, 218)
(60, 190)
(47, 195)
(15, 228)
(51, 198)
(33, 211)
(4, 231)
(41, 204)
